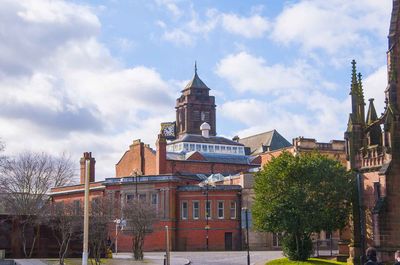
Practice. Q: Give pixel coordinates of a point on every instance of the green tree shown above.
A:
(299, 195)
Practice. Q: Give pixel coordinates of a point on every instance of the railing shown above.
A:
(328, 247)
(374, 157)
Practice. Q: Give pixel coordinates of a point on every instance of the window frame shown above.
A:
(209, 217)
(234, 208)
(223, 210)
(182, 210)
(194, 208)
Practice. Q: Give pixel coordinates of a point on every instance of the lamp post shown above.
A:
(86, 217)
(246, 211)
(208, 209)
(167, 257)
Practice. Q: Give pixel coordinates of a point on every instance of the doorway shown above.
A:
(228, 241)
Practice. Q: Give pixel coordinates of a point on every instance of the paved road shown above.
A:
(227, 257)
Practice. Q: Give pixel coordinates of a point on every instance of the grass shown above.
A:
(78, 261)
(311, 261)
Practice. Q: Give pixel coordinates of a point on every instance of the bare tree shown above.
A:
(98, 228)
(140, 217)
(66, 223)
(26, 180)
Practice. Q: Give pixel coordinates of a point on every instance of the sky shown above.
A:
(94, 75)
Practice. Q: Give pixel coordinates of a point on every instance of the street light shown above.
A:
(121, 223)
(246, 211)
(207, 185)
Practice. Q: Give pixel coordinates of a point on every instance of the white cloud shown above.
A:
(247, 73)
(332, 25)
(374, 85)
(179, 37)
(248, 27)
(321, 116)
(171, 6)
(63, 91)
(199, 26)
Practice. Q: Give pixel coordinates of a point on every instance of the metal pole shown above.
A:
(116, 237)
(207, 215)
(167, 244)
(361, 216)
(247, 235)
(86, 216)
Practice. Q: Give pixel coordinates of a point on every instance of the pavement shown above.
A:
(29, 262)
(192, 258)
(155, 258)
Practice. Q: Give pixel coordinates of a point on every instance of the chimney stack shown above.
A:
(161, 155)
(87, 156)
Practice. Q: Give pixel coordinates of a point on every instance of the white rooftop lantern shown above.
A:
(205, 129)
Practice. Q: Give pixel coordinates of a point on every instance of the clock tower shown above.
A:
(194, 107)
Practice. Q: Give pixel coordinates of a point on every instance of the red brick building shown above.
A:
(373, 152)
(171, 179)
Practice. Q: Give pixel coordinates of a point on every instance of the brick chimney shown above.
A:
(161, 155)
(87, 156)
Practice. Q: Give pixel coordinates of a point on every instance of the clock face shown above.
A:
(168, 130)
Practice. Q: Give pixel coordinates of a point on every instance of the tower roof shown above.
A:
(196, 81)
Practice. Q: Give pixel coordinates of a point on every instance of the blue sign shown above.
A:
(243, 215)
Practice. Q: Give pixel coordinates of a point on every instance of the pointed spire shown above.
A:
(195, 67)
(360, 88)
(371, 115)
(353, 72)
(354, 83)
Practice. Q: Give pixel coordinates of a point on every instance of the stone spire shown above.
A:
(357, 96)
(371, 115)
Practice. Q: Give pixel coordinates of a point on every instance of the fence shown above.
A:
(328, 247)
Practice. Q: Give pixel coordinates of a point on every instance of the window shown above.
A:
(184, 210)
(196, 212)
(232, 210)
(234, 149)
(221, 210)
(217, 148)
(196, 115)
(142, 197)
(241, 150)
(77, 207)
(223, 149)
(228, 149)
(204, 147)
(198, 147)
(154, 199)
(185, 147)
(191, 147)
(130, 197)
(211, 148)
(208, 210)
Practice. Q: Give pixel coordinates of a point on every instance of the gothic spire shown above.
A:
(371, 115)
(195, 67)
(360, 88)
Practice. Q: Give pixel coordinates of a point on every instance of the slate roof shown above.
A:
(196, 82)
(266, 141)
(195, 138)
(214, 158)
